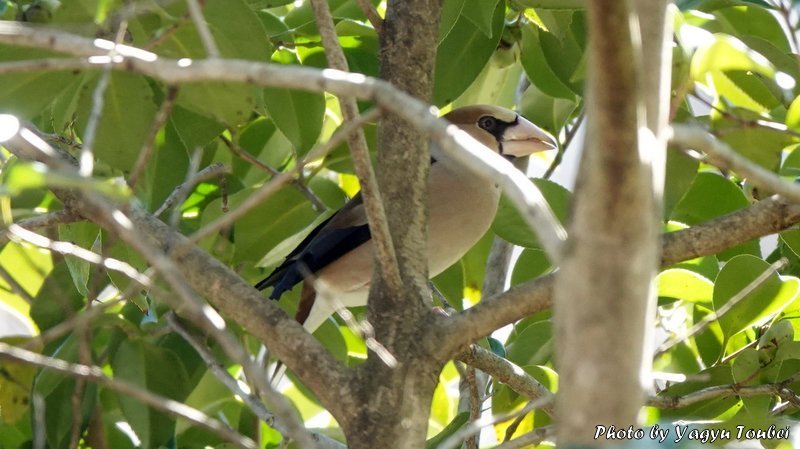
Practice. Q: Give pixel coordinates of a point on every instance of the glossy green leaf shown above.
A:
(297, 114)
(710, 409)
(509, 224)
(83, 234)
(769, 297)
(532, 263)
(145, 365)
(451, 11)
(681, 171)
(533, 346)
(127, 113)
(462, 55)
(727, 53)
(481, 15)
(711, 196)
(683, 284)
(746, 21)
(455, 425)
(548, 112)
(538, 68)
(563, 49)
(554, 4)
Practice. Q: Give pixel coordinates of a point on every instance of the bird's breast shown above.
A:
(461, 209)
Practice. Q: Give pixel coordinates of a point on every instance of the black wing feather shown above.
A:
(321, 247)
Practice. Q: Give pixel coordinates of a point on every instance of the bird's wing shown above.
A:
(344, 231)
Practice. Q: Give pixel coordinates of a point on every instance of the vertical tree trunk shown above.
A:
(603, 290)
(396, 400)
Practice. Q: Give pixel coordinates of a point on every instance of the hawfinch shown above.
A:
(461, 207)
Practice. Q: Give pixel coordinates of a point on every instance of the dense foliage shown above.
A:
(734, 72)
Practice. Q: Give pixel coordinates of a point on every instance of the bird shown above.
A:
(461, 208)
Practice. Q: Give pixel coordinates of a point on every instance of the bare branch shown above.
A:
(508, 373)
(372, 15)
(721, 155)
(95, 374)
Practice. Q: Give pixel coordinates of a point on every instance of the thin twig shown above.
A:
(179, 195)
(86, 160)
(282, 179)
(721, 155)
(236, 149)
(530, 439)
(364, 329)
(232, 384)
(372, 15)
(373, 204)
(452, 142)
(727, 307)
(180, 192)
(196, 13)
(71, 249)
(474, 427)
(95, 374)
(15, 286)
(510, 374)
(748, 123)
(570, 135)
(28, 145)
(149, 143)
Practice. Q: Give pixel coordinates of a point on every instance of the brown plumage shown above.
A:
(461, 209)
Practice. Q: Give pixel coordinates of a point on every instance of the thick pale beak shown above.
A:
(524, 138)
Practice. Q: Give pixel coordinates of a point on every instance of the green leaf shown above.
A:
(481, 15)
(710, 409)
(154, 369)
(564, 49)
(127, 114)
(726, 53)
(83, 234)
(554, 4)
(683, 284)
(745, 367)
(753, 21)
(58, 391)
(533, 346)
(532, 263)
(509, 224)
(538, 68)
(297, 114)
(26, 95)
(454, 426)
(768, 298)
(56, 299)
(548, 112)
(286, 213)
(451, 11)
(681, 171)
(462, 55)
(711, 196)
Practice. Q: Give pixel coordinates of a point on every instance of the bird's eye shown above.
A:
(487, 122)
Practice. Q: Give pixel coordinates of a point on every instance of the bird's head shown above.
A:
(502, 130)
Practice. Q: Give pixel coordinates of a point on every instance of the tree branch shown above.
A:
(452, 142)
(763, 218)
(225, 290)
(721, 155)
(95, 374)
(373, 204)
